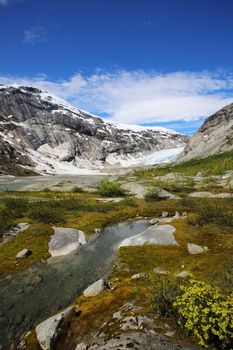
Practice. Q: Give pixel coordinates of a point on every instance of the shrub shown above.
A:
(163, 295)
(110, 189)
(152, 194)
(77, 189)
(17, 207)
(203, 311)
(46, 215)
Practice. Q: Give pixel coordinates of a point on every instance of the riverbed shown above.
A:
(28, 297)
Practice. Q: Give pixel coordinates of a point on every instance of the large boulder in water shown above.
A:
(65, 240)
(47, 332)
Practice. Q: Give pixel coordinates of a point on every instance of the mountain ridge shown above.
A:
(44, 134)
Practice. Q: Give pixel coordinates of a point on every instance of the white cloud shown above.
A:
(4, 2)
(35, 35)
(142, 97)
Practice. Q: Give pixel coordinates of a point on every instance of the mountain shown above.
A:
(214, 136)
(40, 133)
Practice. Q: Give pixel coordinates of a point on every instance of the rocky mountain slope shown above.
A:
(43, 134)
(214, 136)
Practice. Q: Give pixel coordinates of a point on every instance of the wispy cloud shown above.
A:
(7, 2)
(142, 97)
(35, 35)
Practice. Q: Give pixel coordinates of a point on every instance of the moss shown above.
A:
(36, 239)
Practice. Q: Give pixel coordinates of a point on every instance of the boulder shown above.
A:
(47, 332)
(157, 234)
(95, 288)
(196, 249)
(24, 253)
(65, 240)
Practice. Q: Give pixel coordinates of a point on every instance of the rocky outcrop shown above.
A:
(214, 136)
(48, 331)
(43, 134)
(162, 235)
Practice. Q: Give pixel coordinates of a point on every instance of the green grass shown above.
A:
(109, 188)
(213, 165)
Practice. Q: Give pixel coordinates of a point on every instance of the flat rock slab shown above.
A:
(162, 235)
(111, 199)
(65, 241)
(47, 332)
(210, 195)
(141, 341)
(135, 188)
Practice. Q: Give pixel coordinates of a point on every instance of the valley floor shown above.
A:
(138, 309)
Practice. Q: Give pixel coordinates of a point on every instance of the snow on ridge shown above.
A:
(48, 97)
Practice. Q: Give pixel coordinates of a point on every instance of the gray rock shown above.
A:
(182, 274)
(24, 253)
(47, 332)
(165, 214)
(95, 288)
(65, 240)
(137, 189)
(160, 271)
(210, 195)
(195, 249)
(154, 221)
(141, 341)
(156, 234)
(81, 346)
(137, 276)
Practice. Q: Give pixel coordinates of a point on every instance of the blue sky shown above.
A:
(152, 62)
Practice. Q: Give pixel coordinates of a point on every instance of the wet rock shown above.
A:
(196, 249)
(95, 288)
(154, 221)
(162, 235)
(48, 331)
(24, 253)
(65, 240)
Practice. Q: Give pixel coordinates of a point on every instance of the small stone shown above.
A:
(81, 346)
(137, 276)
(165, 214)
(154, 221)
(177, 215)
(160, 271)
(23, 254)
(97, 230)
(185, 214)
(182, 274)
(195, 249)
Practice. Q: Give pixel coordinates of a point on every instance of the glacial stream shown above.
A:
(28, 297)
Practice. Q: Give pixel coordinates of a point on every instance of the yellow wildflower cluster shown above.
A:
(203, 311)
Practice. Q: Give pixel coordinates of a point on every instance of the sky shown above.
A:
(147, 62)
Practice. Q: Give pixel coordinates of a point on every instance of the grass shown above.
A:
(109, 188)
(36, 239)
(212, 165)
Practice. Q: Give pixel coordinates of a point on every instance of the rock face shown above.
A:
(214, 136)
(65, 240)
(95, 289)
(162, 235)
(49, 330)
(43, 134)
